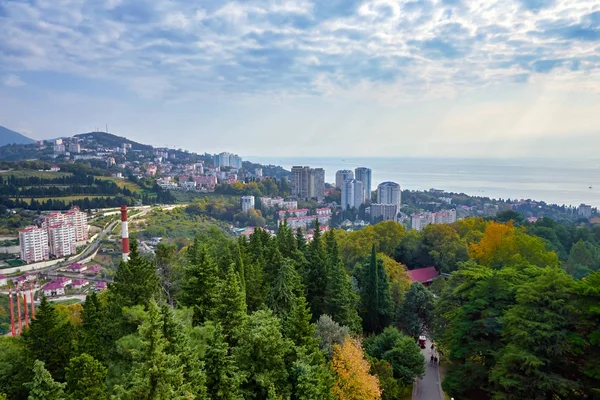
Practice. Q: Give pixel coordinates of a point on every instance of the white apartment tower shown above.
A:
(341, 176)
(247, 203)
(363, 174)
(34, 244)
(389, 193)
(61, 238)
(74, 216)
(353, 194)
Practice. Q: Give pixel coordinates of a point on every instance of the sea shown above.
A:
(554, 181)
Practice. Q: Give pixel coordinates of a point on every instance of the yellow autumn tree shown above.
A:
(352, 378)
(504, 245)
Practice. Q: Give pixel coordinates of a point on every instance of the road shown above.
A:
(429, 387)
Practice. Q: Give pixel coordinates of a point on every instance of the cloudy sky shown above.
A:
(309, 78)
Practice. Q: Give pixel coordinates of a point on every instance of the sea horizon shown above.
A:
(567, 182)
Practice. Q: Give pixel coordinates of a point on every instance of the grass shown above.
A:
(65, 199)
(15, 263)
(67, 302)
(32, 173)
(188, 197)
(122, 183)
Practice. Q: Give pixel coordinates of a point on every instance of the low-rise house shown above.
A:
(53, 289)
(93, 270)
(100, 286)
(423, 275)
(3, 280)
(80, 283)
(77, 268)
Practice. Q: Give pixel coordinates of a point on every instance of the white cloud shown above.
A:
(12, 81)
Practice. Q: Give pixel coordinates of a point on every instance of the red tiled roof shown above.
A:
(423, 274)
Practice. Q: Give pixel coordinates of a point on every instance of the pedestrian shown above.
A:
(432, 346)
(431, 359)
(435, 360)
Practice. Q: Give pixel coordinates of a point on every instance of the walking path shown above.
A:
(429, 387)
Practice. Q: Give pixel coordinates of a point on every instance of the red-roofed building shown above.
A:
(100, 286)
(79, 283)
(423, 275)
(93, 270)
(54, 289)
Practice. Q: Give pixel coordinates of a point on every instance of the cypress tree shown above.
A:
(376, 303)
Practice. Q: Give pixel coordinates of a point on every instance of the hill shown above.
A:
(11, 137)
(110, 140)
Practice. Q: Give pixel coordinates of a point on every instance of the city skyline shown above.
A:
(372, 77)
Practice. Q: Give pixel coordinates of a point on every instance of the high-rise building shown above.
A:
(74, 148)
(308, 183)
(389, 193)
(363, 174)
(318, 183)
(61, 239)
(585, 211)
(79, 220)
(34, 244)
(75, 217)
(226, 159)
(247, 203)
(341, 176)
(353, 194)
(383, 212)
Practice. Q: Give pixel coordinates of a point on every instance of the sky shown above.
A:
(424, 78)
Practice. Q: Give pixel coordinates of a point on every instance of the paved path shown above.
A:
(428, 388)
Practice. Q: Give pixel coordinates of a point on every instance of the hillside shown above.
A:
(8, 136)
(110, 140)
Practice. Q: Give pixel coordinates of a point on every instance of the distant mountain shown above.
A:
(11, 137)
(110, 140)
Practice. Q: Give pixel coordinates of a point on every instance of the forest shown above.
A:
(334, 318)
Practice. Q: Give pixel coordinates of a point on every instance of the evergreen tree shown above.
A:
(85, 378)
(135, 281)
(231, 310)
(332, 250)
(416, 312)
(261, 355)
(297, 326)
(200, 283)
(589, 299)
(313, 379)
(223, 379)
(375, 295)
(94, 339)
(341, 299)
(538, 361)
(300, 241)
(167, 271)
(317, 273)
(286, 287)
(49, 339)
(155, 373)
(285, 240)
(43, 386)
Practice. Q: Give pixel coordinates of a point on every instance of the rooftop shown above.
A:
(423, 275)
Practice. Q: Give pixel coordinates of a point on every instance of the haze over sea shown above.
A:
(553, 181)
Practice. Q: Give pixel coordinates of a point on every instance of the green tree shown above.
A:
(330, 333)
(443, 247)
(167, 270)
(231, 310)
(297, 326)
(286, 288)
(85, 378)
(583, 258)
(341, 300)
(409, 252)
(416, 313)
(155, 374)
(538, 360)
(437, 285)
(375, 295)
(312, 378)
(261, 355)
(94, 338)
(300, 241)
(43, 386)
(317, 273)
(588, 290)
(135, 281)
(49, 339)
(223, 379)
(200, 283)
(400, 351)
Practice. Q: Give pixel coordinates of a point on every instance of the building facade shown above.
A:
(318, 184)
(353, 194)
(308, 183)
(74, 216)
(389, 193)
(247, 203)
(226, 159)
(363, 174)
(585, 211)
(383, 212)
(34, 244)
(420, 221)
(341, 176)
(61, 239)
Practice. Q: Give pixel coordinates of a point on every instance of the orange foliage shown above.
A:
(497, 238)
(353, 380)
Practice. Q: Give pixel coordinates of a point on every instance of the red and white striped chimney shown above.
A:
(124, 233)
